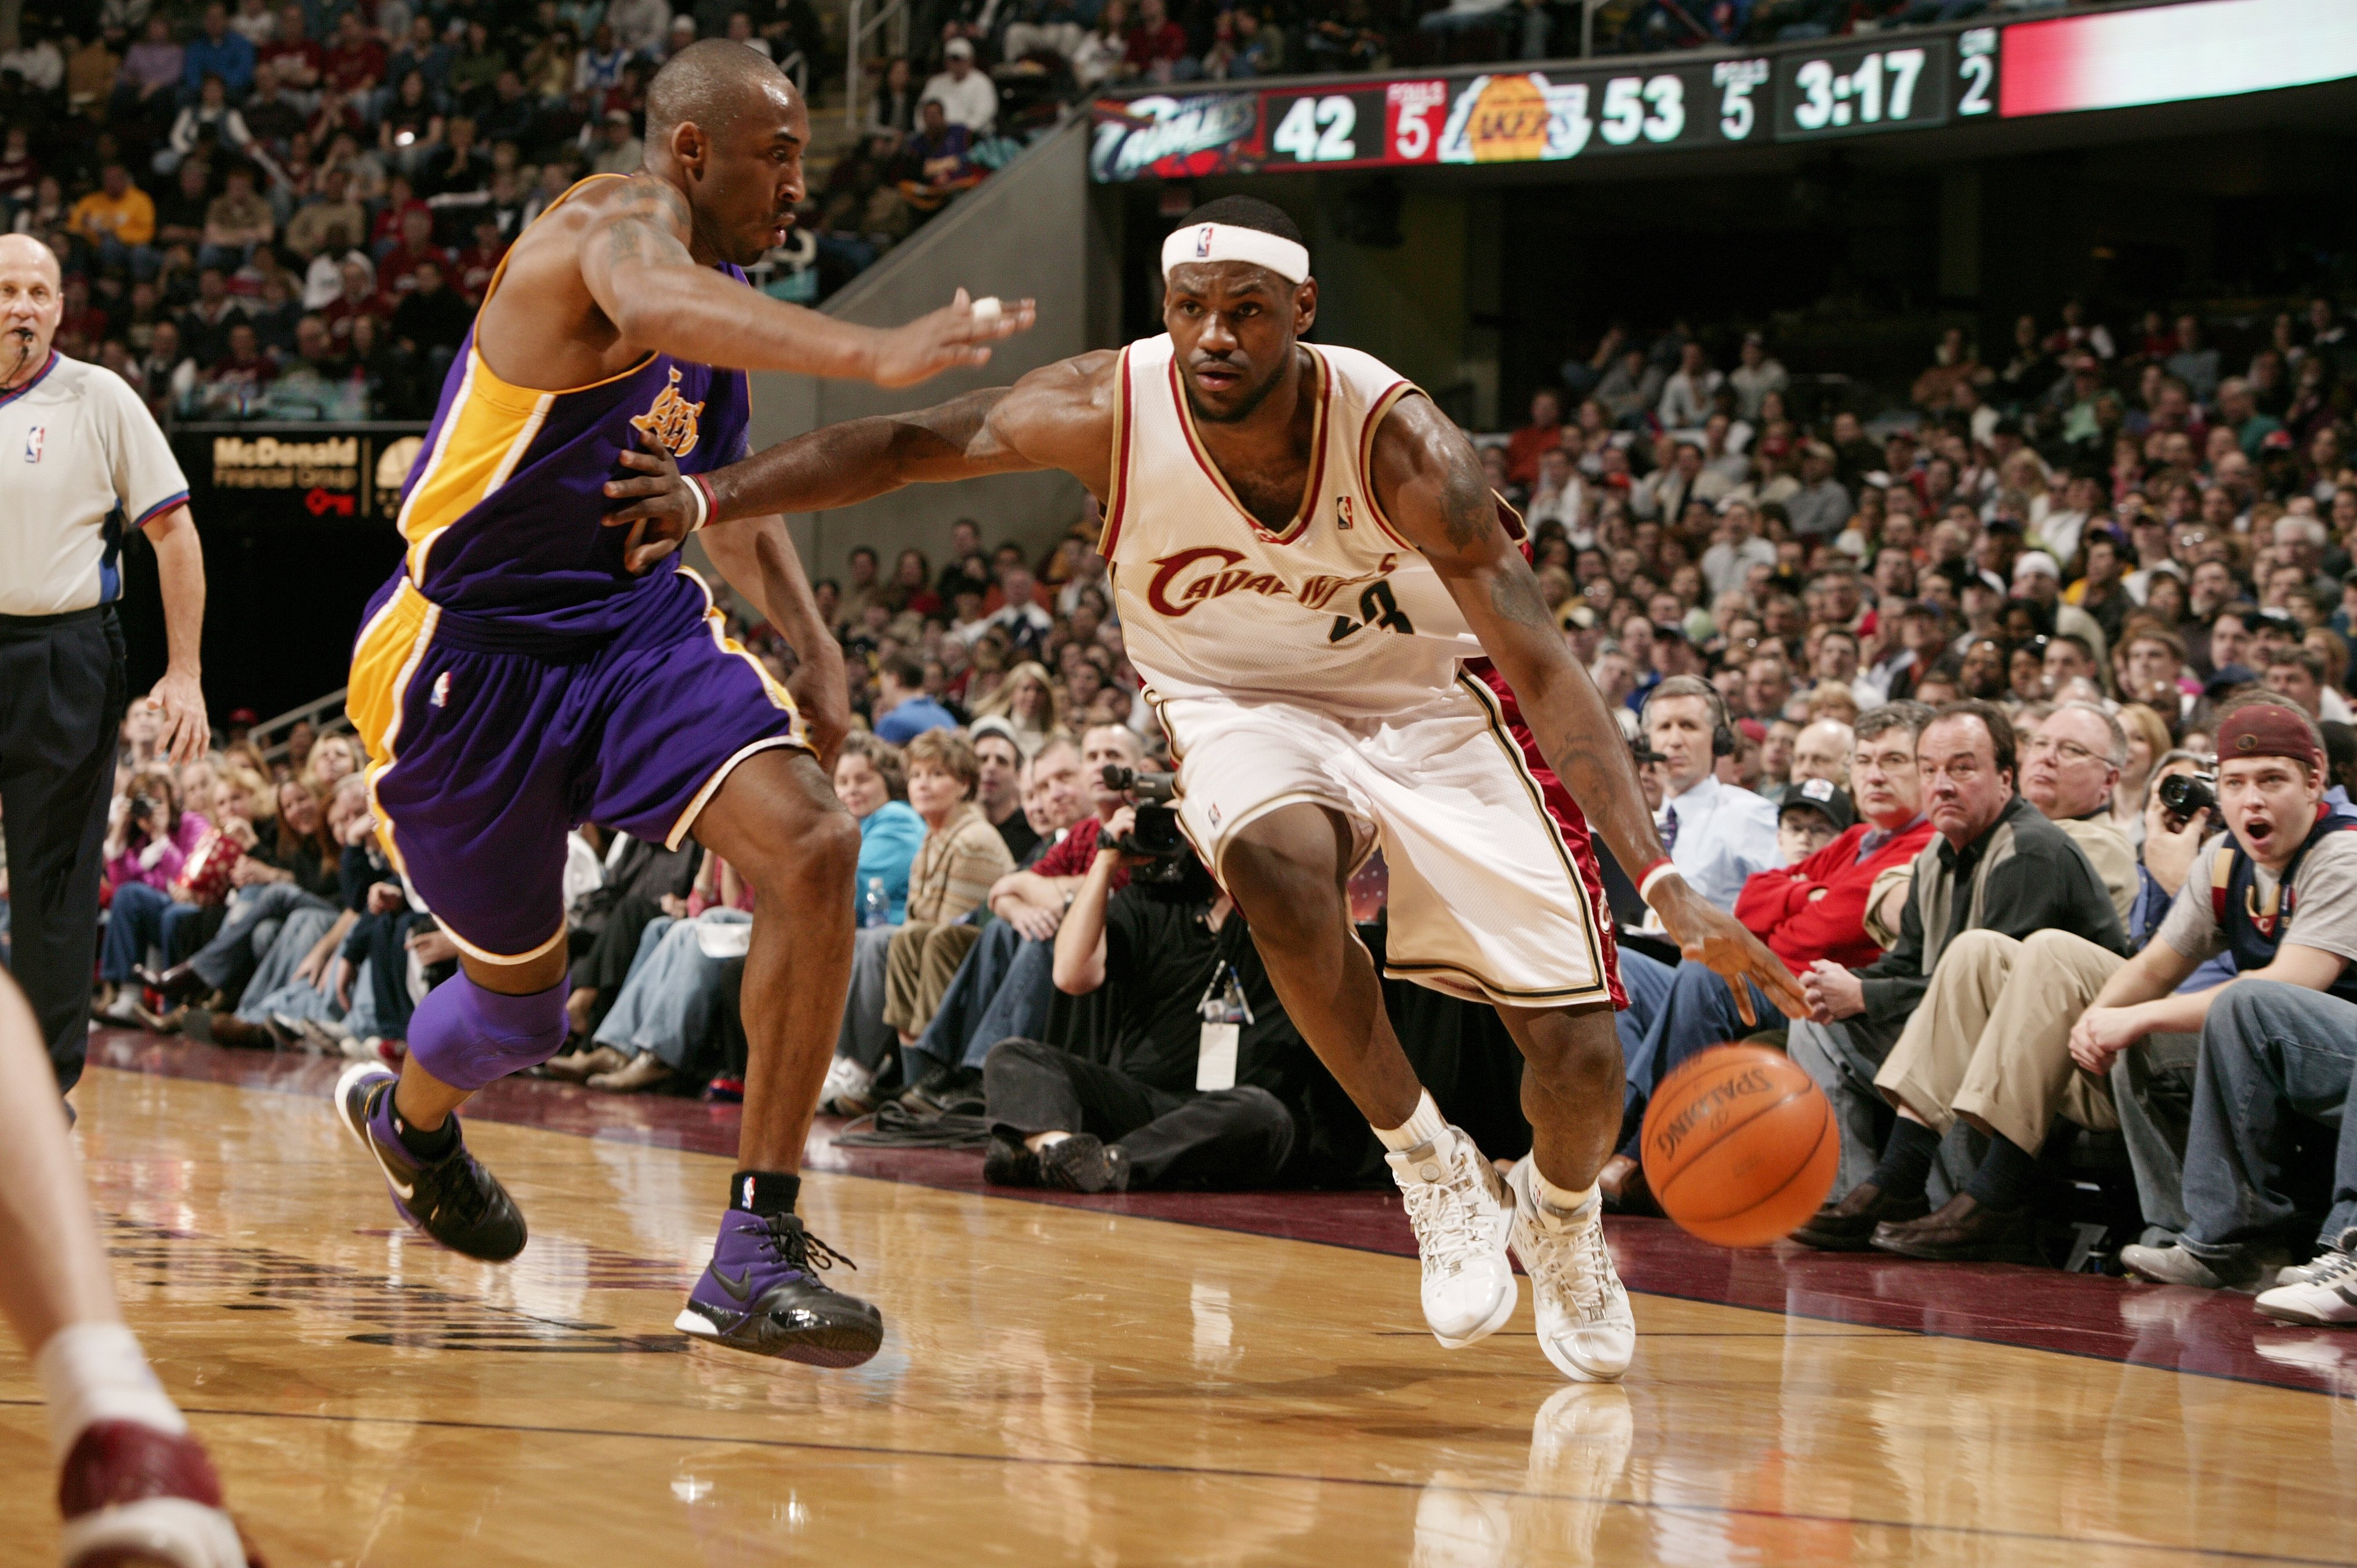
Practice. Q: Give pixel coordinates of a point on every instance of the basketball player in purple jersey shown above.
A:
(1304, 551)
(527, 669)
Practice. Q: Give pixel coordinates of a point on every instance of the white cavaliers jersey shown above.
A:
(1336, 613)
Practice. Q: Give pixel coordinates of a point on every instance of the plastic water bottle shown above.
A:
(877, 910)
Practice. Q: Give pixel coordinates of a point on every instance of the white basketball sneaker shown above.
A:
(1585, 1325)
(1461, 1212)
(2326, 1298)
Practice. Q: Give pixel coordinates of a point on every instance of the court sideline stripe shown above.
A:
(1140, 1467)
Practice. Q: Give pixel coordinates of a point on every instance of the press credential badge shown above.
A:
(1224, 1012)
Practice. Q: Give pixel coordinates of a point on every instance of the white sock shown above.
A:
(96, 1371)
(1563, 1200)
(1422, 1127)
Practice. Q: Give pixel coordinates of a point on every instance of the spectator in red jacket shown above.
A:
(1543, 433)
(355, 61)
(1815, 909)
(396, 274)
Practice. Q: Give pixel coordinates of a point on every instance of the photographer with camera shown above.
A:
(1177, 1092)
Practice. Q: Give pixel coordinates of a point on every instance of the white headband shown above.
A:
(1227, 243)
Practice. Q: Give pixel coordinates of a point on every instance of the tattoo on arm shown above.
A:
(646, 227)
(1466, 508)
(1514, 595)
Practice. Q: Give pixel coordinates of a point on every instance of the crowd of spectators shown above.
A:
(2015, 723)
(1063, 45)
(292, 211)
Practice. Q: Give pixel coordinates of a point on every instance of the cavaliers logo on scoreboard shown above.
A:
(1159, 136)
(672, 421)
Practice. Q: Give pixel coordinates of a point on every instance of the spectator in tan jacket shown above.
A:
(961, 856)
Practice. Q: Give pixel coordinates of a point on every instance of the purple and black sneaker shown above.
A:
(453, 1200)
(762, 1293)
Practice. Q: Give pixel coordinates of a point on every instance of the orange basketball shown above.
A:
(1739, 1145)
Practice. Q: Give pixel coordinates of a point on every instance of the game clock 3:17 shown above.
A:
(1903, 86)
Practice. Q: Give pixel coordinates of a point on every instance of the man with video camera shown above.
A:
(1177, 1092)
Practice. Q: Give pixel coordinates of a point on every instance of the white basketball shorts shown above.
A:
(1487, 902)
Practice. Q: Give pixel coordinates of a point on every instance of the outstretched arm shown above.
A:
(756, 557)
(636, 265)
(1429, 482)
(1059, 416)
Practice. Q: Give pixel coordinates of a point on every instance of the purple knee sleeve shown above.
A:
(469, 1036)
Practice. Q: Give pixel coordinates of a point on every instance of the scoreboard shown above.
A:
(1548, 117)
(1874, 85)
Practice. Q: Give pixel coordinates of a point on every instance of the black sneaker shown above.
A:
(946, 1092)
(1083, 1163)
(762, 1293)
(1007, 1162)
(455, 1201)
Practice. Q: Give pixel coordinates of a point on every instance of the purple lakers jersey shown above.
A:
(503, 509)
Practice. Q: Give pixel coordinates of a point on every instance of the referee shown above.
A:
(79, 456)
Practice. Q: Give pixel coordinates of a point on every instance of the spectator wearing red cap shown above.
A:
(2052, 1024)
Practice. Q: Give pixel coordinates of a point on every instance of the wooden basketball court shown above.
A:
(1145, 1379)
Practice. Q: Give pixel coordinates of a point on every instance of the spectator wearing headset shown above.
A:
(1718, 836)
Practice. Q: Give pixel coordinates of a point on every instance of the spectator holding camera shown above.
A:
(2277, 890)
(1174, 1091)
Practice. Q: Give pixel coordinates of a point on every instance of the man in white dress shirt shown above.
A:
(1716, 834)
(80, 462)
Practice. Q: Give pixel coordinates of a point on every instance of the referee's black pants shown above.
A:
(61, 701)
(1225, 1138)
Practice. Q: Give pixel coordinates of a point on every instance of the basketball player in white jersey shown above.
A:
(1303, 549)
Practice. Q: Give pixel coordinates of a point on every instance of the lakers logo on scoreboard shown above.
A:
(672, 420)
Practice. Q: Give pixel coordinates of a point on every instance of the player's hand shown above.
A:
(661, 509)
(180, 702)
(950, 338)
(1709, 935)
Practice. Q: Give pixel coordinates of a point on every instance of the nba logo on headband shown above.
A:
(1202, 241)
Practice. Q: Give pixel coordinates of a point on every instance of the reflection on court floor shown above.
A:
(1069, 1385)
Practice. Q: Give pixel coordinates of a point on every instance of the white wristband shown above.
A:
(1652, 878)
(703, 503)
